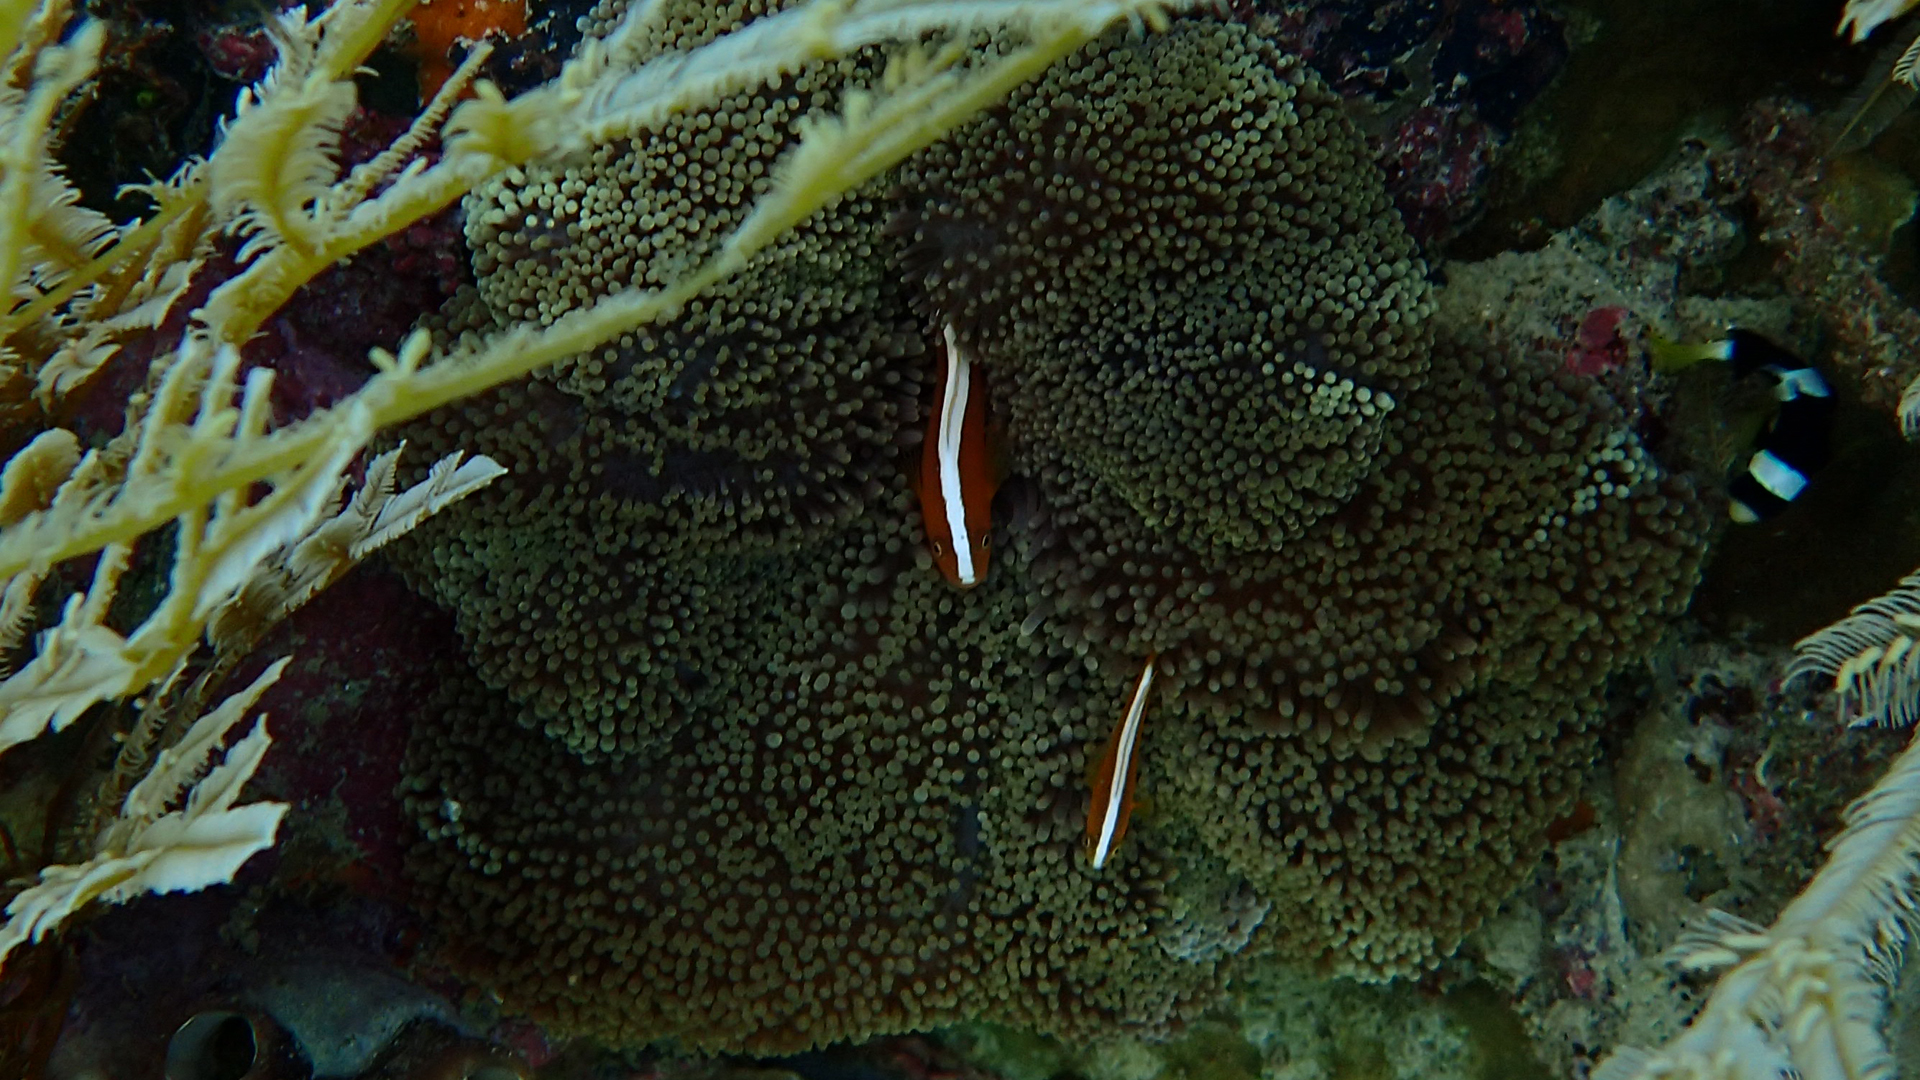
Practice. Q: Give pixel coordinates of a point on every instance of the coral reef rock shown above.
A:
(748, 773)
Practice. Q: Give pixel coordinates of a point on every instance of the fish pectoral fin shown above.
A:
(915, 462)
(999, 450)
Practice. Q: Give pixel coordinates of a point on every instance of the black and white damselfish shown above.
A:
(1795, 445)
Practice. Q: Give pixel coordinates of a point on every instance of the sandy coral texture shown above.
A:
(747, 772)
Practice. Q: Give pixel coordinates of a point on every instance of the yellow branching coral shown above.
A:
(35, 474)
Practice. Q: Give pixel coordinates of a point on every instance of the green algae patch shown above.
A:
(1009, 1052)
(1868, 198)
(1501, 1048)
(1212, 1050)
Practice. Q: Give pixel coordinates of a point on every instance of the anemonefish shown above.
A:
(958, 473)
(1112, 801)
(1795, 445)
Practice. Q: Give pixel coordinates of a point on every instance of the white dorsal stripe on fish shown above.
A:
(953, 411)
(1117, 785)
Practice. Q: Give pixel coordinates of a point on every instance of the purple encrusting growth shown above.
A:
(1495, 56)
(1451, 79)
(1437, 161)
(1724, 787)
(366, 658)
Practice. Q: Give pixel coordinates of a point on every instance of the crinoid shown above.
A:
(1863, 17)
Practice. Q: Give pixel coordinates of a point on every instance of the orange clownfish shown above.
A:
(1112, 801)
(958, 474)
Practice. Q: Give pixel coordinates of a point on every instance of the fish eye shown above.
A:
(986, 541)
(939, 549)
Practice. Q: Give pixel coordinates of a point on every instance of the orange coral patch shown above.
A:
(439, 25)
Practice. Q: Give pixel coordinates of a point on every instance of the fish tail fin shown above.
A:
(1669, 356)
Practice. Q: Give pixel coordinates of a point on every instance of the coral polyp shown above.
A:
(751, 775)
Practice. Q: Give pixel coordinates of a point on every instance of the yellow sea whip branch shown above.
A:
(191, 453)
(489, 133)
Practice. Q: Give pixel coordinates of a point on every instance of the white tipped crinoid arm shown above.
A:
(1862, 17)
(1873, 657)
(152, 849)
(1805, 997)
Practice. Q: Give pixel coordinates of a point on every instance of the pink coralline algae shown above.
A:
(1450, 77)
(365, 662)
(1598, 346)
(237, 52)
(1781, 163)
(317, 345)
(1436, 163)
(1580, 977)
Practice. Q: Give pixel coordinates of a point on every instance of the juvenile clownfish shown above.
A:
(958, 472)
(1112, 801)
(1794, 446)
